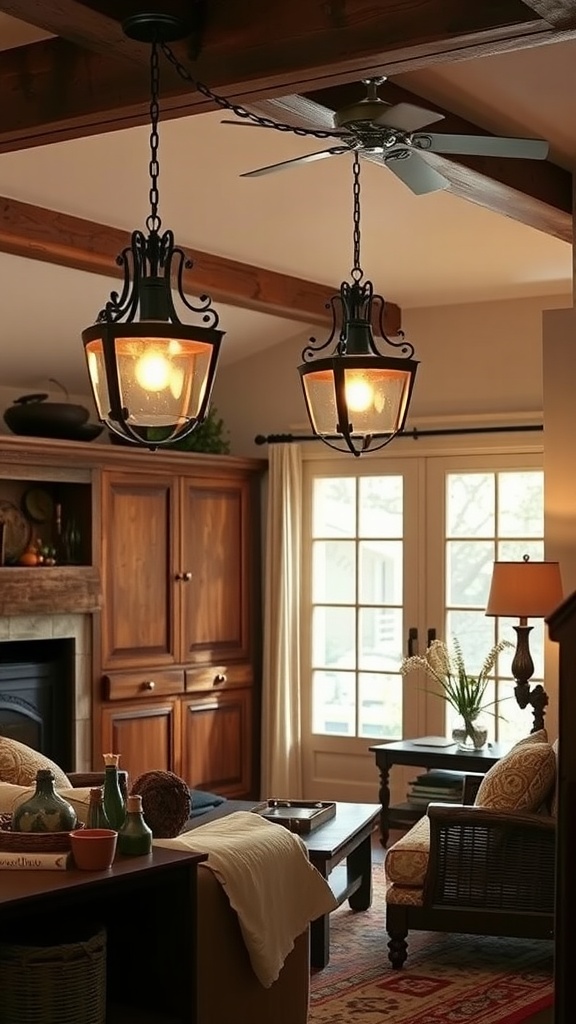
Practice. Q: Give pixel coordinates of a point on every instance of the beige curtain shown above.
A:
(281, 737)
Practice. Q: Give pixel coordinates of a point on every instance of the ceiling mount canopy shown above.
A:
(151, 374)
(357, 398)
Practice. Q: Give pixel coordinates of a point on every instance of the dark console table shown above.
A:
(412, 752)
(148, 906)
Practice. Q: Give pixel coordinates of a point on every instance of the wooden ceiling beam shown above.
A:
(58, 89)
(535, 192)
(40, 234)
(559, 13)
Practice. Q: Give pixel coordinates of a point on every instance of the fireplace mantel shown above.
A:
(50, 590)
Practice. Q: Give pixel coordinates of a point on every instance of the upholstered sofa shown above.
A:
(485, 867)
(228, 989)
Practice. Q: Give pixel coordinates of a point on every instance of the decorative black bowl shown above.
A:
(33, 416)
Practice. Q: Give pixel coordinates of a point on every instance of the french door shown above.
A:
(398, 551)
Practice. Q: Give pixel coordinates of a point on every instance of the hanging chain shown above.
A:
(357, 272)
(221, 101)
(153, 222)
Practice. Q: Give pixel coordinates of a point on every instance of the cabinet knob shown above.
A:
(187, 576)
(179, 576)
(220, 678)
(148, 684)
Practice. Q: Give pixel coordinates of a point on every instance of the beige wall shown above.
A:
(484, 358)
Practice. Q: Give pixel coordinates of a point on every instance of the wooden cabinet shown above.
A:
(145, 734)
(180, 620)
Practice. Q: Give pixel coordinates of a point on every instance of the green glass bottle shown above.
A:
(113, 800)
(45, 811)
(97, 817)
(134, 838)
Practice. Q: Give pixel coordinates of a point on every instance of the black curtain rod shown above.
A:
(414, 433)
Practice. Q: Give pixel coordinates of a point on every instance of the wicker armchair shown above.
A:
(479, 871)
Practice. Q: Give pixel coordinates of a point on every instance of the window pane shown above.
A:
(333, 637)
(334, 507)
(334, 571)
(470, 510)
(468, 572)
(380, 706)
(520, 507)
(333, 703)
(380, 572)
(380, 511)
(380, 632)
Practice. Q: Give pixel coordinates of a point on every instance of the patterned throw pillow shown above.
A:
(19, 764)
(521, 780)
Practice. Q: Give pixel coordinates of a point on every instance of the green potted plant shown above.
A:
(463, 691)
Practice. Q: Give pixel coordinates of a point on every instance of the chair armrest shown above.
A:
(486, 858)
(470, 786)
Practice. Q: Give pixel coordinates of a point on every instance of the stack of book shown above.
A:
(436, 785)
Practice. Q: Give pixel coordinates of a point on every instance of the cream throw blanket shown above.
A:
(264, 869)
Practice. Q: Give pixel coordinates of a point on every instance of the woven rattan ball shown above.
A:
(165, 802)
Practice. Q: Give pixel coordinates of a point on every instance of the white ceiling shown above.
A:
(419, 251)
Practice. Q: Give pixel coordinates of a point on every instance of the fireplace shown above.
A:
(36, 696)
(45, 685)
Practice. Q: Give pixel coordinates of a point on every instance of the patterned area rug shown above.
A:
(447, 979)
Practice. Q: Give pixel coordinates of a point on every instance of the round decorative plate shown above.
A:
(17, 531)
(38, 505)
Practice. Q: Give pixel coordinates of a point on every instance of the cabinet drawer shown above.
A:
(218, 677)
(152, 683)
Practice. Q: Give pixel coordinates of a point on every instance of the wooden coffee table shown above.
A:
(341, 850)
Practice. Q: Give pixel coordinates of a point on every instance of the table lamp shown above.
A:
(529, 590)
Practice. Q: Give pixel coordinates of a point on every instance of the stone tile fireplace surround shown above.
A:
(77, 627)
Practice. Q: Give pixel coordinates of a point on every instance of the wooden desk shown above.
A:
(411, 752)
(148, 906)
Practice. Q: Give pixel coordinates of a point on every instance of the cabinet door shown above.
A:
(145, 734)
(217, 743)
(216, 563)
(138, 557)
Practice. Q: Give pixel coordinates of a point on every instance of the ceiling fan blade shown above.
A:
(309, 158)
(407, 117)
(419, 176)
(482, 145)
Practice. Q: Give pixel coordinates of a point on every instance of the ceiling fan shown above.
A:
(392, 133)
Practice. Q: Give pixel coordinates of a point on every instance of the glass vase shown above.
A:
(45, 811)
(470, 734)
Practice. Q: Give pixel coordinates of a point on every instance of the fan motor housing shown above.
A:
(364, 110)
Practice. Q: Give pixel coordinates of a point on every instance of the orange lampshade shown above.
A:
(527, 590)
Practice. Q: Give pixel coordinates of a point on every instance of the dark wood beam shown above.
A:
(57, 89)
(537, 193)
(560, 13)
(41, 234)
(87, 28)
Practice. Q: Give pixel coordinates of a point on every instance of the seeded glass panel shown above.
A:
(380, 639)
(380, 506)
(514, 550)
(470, 505)
(469, 565)
(380, 706)
(334, 571)
(334, 507)
(380, 572)
(333, 637)
(520, 507)
(333, 703)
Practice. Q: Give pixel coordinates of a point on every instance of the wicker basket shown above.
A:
(61, 984)
(31, 842)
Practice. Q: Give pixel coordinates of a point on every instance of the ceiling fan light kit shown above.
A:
(357, 398)
(151, 374)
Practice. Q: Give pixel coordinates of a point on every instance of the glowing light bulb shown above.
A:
(359, 394)
(153, 371)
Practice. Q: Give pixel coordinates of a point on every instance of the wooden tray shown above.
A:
(301, 816)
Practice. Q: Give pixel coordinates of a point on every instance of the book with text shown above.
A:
(13, 860)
